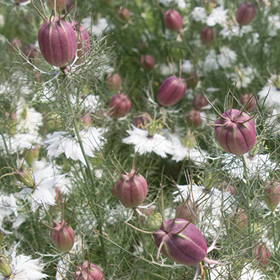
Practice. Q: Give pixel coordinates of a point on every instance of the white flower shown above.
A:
(217, 16)
(243, 76)
(271, 94)
(8, 206)
(144, 143)
(210, 62)
(187, 66)
(98, 28)
(169, 69)
(180, 152)
(199, 14)
(45, 180)
(18, 142)
(24, 268)
(226, 57)
(213, 205)
(61, 142)
(255, 165)
(181, 3)
(229, 32)
(29, 120)
(273, 25)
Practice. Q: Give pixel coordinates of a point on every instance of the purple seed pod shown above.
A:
(199, 101)
(119, 105)
(207, 35)
(124, 13)
(181, 241)
(57, 41)
(245, 13)
(30, 52)
(141, 121)
(249, 101)
(235, 132)
(62, 236)
(172, 20)
(171, 91)
(113, 82)
(261, 254)
(193, 118)
(188, 211)
(88, 271)
(132, 189)
(83, 43)
(272, 194)
(147, 62)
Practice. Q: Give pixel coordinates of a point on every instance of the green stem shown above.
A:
(248, 186)
(88, 171)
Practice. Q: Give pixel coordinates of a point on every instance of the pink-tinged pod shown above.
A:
(193, 118)
(119, 105)
(207, 35)
(124, 13)
(188, 211)
(271, 194)
(83, 43)
(245, 13)
(172, 20)
(171, 91)
(181, 241)
(62, 236)
(132, 189)
(57, 41)
(88, 271)
(113, 82)
(249, 101)
(147, 62)
(261, 254)
(235, 132)
(199, 101)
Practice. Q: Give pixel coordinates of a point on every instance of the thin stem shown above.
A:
(247, 195)
(76, 130)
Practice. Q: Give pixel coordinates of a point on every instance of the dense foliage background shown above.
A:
(62, 151)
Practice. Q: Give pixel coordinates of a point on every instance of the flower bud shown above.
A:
(113, 82)
(172, 20)
(124, 13)
(181, 241)
(193, 118)
(272, 194)
(261, 254)
(5, 269)
(132, 189)
(62, 236)
(207, 35)
(88, 271)
(25, 177)
(188, 211)
(147, 62)
(249, 101)
(245, 13)
(235, 132)
(154, 221)
(119, 105)
(141, 121)
(199, 101)
(171, 91)
(83, 43)
(238, 220)
(57, 41)
(192, 80)
(62, 5)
